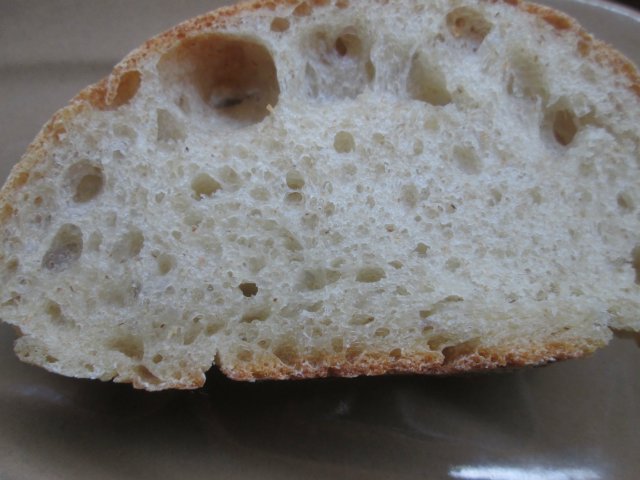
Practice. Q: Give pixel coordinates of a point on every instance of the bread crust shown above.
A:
(101, 96)
(455, 361)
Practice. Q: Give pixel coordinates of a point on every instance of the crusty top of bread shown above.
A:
(274, 105)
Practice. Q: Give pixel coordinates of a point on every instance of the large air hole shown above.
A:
(129, 345)
(370, 274)
(469, 25)
(280, 24)
(249, 289)
(65, 248)
(467, 160)
(145, 375)
(85, 180)
(318, 278)
(128, 245)
(170, 129)
(166, 263)
(339, 64)
(564, 126)
(526, 76)
(56, 316)
(287, 352)
(116, 95)
(235, 78)
(204, 185)
(459, 350)
(427, 83)
(128, 86)
(360, 319)
(259, 314)
(561, 123)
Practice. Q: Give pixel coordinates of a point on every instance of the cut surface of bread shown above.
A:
(294, 190)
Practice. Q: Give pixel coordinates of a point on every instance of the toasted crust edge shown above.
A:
(459, 360)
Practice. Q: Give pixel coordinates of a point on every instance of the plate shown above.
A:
(577, 420)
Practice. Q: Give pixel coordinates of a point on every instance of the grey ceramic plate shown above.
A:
(577, 420)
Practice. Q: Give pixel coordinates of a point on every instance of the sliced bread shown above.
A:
(301, 189)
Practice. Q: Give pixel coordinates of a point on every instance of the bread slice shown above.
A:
(302, 189)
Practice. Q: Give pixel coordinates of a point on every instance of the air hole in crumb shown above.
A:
(427, 83)
(467, 159)
(396, 264)
(625, 201)
(635, 262)
(193, 332)
(51, 359)
(337, 344)
(65, 248)
(294, 198)
(360, 319)
(343, 142)
(120, 292)
(459, 350)
(127, 88)
(11, 267)
(354, 351)
(145, 375)
(236, 78)
(452, 264)
(204, 185)
(287, 352)
(244, 355)
(396, 353)
(303, 9)
(339, 66)
(213, 328)
(249, 289)
(382, 332)
(157, 358)
(166, 263)
(527, 76)
(169, 128)
(468, 24)
(318, 278)
(409, 195)
(295, 180)
(564, 126)
(256, 314)
(128, 246)
(421, 249)
(264, 344)
(436, 342)
(349, 43)
(54, 311)
(129, 345)
(279, 24)
(85, 179)
(370, 274)
(260, 193)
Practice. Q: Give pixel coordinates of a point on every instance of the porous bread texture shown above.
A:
(332, 188)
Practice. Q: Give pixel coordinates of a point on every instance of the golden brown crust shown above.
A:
(431, 363)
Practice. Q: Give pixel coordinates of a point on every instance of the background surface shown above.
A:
(575, 420)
